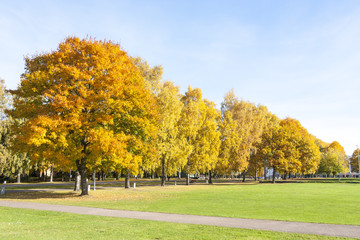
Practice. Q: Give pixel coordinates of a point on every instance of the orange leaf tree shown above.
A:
(85, 102)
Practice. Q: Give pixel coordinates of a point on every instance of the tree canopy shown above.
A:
(84, 102)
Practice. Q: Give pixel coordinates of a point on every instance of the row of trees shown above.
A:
(89, 106)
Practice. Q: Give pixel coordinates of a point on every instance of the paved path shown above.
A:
(281, 226)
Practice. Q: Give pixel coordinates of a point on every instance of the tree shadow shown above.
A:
(39, 194)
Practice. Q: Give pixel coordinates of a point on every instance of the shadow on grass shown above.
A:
(39, 195)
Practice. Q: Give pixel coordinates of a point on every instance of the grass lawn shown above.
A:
(305, 202)
(35, 224)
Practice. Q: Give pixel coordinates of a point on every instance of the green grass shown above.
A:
(35, 224)
(305, 202)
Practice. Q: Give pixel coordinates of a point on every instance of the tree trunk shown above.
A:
(163, 171)
(94, 179)
(187, 179)
(77, 181)
(127, 179)
(210, 177)
(83, 173)
(52, 173)
(255, 178)
(18, 176)
(99, 176)
(265, 177)
(285, 175)
(244, 175)
(273, 177)
(44, 176)
(117, 176)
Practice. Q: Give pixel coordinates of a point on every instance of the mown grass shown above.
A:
(305, 202)
(35, 224)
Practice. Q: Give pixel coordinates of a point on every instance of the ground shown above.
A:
(335, 203)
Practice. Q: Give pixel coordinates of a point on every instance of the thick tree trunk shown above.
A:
(77, 181)
(187, 179)
(285, 175)
(163, 171)
(127, 179)
(83, 173)
(117, 175)
(273, 177)
(52, 173)
(210, 177)
(18, 180)
(244, 175)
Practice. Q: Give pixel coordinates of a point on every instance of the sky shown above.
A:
(300, 58)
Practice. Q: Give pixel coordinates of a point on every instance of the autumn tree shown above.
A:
(355, 160)
(152, 77)
(12, 165)
(310, 154)
(172, 150)
(242, 126)
(330, 162)
(86, 101)
(191, 119)
(207, 142)
(267, 120)
(333, 159)
(277, 149)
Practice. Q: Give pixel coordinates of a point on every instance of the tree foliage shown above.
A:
(84, 102)
(354, 160)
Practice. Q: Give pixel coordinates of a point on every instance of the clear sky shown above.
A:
(299, 58)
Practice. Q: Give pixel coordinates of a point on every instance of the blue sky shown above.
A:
(299, 58)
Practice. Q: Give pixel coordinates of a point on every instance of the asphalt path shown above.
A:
(352, 231)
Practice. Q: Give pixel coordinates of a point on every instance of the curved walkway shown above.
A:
(270, 225)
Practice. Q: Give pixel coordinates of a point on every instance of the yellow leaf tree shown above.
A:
(333, 159)
(355, 160)
(242, 127)
(278, 147)
(191, 120)
(85, 101)
(207, 142)
(172, 151)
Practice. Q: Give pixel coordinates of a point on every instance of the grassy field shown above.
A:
(34, 224)
(306, 202)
